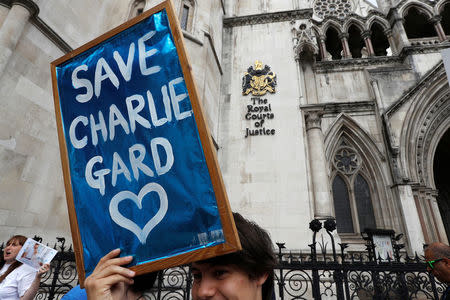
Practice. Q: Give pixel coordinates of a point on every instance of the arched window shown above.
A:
(137, 8)
(355, 41)
(333, 43)
(352, 196)
(417, 25)
(380, 42)
(342, 207)
(363, 201)
(445, 21)
(186, 15)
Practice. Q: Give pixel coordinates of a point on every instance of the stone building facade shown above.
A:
(318, 109)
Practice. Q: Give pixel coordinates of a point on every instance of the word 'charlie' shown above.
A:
(140, 111)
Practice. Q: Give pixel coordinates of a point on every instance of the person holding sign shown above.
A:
(18, 281)
(244, 275)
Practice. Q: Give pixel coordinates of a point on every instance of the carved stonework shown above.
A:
(305, 42)
(436, 116)
(268, 18)
(356, 63)
(313, 119)
(346, 160)
(336, 8)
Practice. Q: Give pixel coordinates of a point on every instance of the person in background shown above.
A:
(437, 256)
(244, 275)
(18, 281)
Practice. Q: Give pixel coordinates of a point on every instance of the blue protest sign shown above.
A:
(140, 171)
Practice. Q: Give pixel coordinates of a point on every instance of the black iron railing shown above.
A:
(327, 271)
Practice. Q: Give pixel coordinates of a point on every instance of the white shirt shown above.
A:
(17, 282)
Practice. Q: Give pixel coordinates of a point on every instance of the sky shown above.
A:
(374, 2)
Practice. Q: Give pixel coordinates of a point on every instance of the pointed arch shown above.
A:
(440, 6)
(332, 23)
(443, 10)
(345, 123)
(356, 41)
(333, 43)
(345, 132)
(353, 21)
(417, 23)
(426, 120)
(317, 30)
(420, 6)
(377, 19)
(425, 115)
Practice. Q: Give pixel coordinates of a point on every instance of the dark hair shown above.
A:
(256, 257)
(439, 250)
(21, 239)
(144, 282)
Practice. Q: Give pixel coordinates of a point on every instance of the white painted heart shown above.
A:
(126, 223)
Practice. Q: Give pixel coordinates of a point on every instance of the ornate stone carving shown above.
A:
(268, 18)
(313, 119)
(305, 42)
(336, 8)
(435, 117)
(346, 160)
(356, 63)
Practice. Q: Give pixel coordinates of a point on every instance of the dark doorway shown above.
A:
(445, 21)
(379, 40)
(355, 41)
(441, 165)
(333, 43)
(417, 25)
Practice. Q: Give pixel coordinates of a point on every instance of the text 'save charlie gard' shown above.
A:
(137, 166)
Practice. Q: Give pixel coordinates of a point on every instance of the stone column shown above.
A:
(318, 166)
(377, 94)
(436, 21)
(367, 40)
(400, 39)
(345, 47)
(391, 41)
(12, 29)
(323, 48)
(411, 218)
(438, 221)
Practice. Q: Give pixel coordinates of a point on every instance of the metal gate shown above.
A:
(327, 271)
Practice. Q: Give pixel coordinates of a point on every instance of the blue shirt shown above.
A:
(76, 293)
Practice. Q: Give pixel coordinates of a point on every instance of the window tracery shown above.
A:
(346, 160)
(336, 8)
(351, 191)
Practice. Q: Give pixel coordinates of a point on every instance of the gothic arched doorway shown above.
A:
(441, 165)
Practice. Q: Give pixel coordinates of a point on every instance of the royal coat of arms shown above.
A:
(258, 80)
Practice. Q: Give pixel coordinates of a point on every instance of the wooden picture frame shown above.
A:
(231, 243)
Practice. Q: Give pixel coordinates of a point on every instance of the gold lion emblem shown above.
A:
(258, 80)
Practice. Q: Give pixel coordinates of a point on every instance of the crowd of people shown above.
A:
(244, 275)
